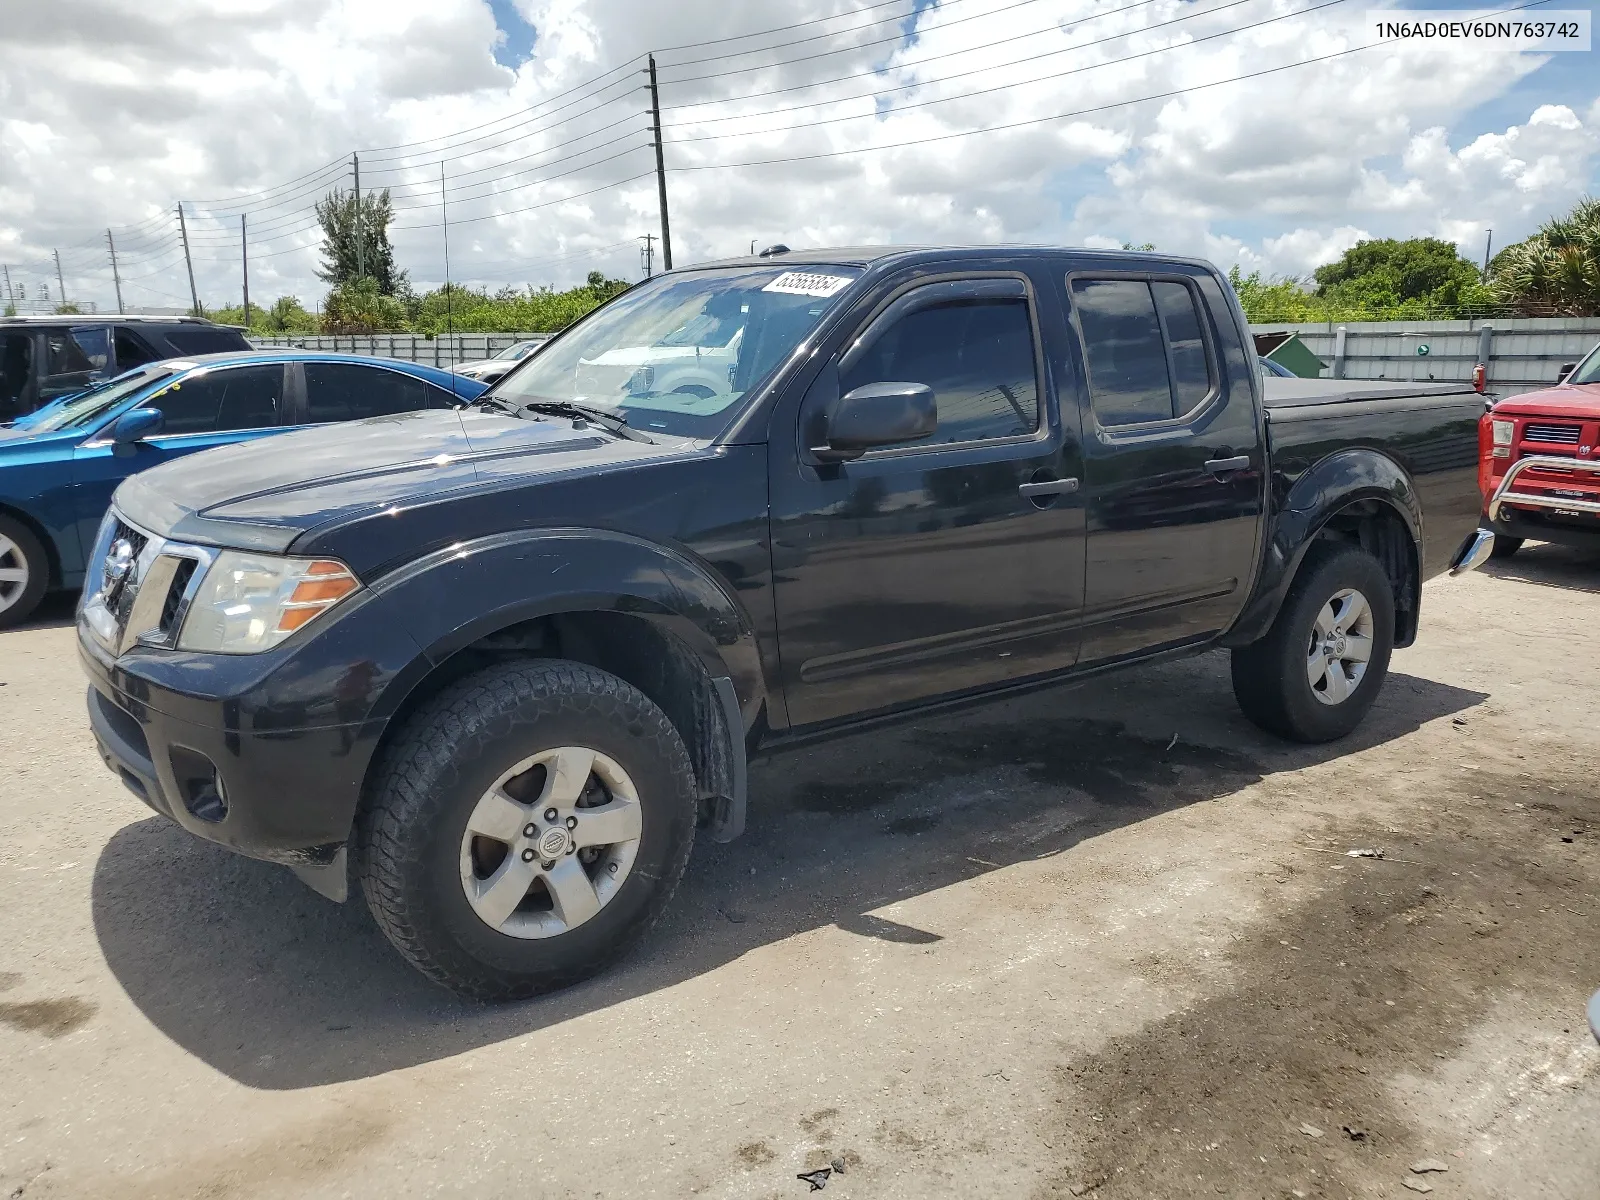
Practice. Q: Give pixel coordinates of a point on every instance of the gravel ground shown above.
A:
(1098, 942)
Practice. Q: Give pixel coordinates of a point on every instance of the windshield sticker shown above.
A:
(804, 283)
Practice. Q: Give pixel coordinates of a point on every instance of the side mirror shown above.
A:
(1566, 369)
(879, 414)
(133, 426)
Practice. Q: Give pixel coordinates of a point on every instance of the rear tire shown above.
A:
(443, 852)
(1505, 547)
(24, 572)
(1306, 679)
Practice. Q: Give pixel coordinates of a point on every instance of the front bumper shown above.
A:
(285, 795)
(1572, 520)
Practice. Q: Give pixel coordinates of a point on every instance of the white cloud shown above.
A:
(110, 110)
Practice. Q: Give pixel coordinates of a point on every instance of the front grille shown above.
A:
(180, 584)
(124, 531)
(1552, 434)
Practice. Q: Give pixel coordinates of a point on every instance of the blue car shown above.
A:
(59, 465)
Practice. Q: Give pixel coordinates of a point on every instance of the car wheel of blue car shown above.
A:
(24, 572)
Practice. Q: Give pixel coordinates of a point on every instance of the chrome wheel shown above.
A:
(551, 842)
(13, 573)
(1341, 647)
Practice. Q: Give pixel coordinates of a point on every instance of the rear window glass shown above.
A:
(206, 341)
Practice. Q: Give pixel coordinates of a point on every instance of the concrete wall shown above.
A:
(1525, 353)
(439, 352)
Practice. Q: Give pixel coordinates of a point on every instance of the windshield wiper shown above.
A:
(616, 423)
(488, 401)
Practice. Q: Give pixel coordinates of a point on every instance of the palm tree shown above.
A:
(1556, 272)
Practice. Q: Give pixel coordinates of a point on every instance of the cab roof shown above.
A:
(870, 256)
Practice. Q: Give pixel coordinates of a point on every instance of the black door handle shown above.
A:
(1225, 466)
(1048, 487)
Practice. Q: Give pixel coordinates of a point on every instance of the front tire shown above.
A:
(1505, 547)
(24, 572)
(1320, 667)
(464, 866)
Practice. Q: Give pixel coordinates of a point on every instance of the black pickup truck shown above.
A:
(497, 666)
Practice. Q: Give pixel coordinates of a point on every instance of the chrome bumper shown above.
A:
(1475, 550)
(1504, 495)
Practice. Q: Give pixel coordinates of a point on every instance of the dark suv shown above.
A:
(44, 358)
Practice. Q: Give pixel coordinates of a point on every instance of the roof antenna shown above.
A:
(770, 251)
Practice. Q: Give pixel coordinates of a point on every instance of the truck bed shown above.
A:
(1279, 394)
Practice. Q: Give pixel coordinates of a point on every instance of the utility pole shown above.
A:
(115, 276)
(183, 231)
(361, 257)
(647, 253)
(1488, 241)
(7, 269)
(449, 296)
(661, 166)
(244, 268)
(59, 282)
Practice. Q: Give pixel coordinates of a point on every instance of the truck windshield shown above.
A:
(677, 353)
(1588, 371)
(83, 409)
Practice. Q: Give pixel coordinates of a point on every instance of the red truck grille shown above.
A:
(1551, 433)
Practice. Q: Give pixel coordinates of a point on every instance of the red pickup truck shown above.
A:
(1539, 463)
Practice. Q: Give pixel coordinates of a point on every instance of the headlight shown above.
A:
(1504, 431)
(250, 602)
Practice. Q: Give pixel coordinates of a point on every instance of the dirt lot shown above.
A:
(1102, 942)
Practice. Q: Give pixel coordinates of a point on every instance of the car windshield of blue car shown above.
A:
(678, 353)
(84, 409)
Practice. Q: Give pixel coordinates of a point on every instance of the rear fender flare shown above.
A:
(1334, 484)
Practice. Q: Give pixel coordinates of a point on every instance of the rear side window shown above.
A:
(218, 401)
(206, 341)
(132, 351)
(976, 355)
(351, 392)
(1146, 349)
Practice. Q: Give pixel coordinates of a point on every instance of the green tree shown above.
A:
(284, 315)
(358, 306)
(336, 213)
(1412, 278)
(1279, 298)
(1556, 272)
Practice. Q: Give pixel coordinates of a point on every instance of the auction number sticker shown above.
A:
(805, 283)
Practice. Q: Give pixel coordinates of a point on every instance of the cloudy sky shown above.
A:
(1263, 132)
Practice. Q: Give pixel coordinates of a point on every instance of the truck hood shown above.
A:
(262, 495)
(1580, 400)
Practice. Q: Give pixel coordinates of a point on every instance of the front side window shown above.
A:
(678, 353)
(220, 400)
(76, 351)
(16, 371)
(976, 355)
(1587, 371)
(1145, 347)
(351, 392)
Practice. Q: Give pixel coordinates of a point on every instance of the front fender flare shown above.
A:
(1336, 482)
(463, 593)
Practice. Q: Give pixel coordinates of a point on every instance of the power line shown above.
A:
(899, 37)
(1009, 84)
(945, 137)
